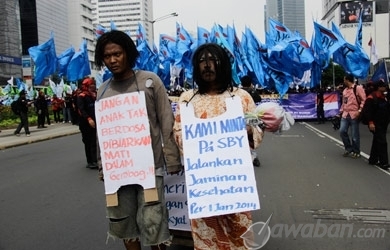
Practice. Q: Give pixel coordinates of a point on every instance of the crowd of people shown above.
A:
(373, 102)
(134, 220)
(76, 109)
(214, 85)
(63, 109)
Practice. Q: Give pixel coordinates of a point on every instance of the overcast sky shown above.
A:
(205, 13)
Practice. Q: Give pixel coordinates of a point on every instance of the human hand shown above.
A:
(371, 127)
(91, 123)
(100, 174)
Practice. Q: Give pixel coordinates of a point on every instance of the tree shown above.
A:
(327, 75)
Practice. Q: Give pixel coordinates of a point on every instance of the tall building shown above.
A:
(69, 21)
(80, 27)
(41, 18)
(289, 12)
(28, 23)
(10, 54)
(125, 15)
(375, 17)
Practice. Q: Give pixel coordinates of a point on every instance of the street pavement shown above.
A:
(8, 139)
(303, 180)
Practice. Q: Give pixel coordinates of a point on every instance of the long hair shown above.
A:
(120, 38)
(223, 68)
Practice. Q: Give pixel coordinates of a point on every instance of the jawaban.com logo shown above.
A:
(259, 233)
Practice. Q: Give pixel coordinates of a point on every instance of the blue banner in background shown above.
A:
(10, 59)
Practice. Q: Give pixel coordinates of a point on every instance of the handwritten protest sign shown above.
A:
(176, 202)
(124, 141)
(218, 166)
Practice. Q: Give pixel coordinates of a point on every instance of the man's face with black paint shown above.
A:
(207, 66)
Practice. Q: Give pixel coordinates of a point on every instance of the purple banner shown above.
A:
(301, 106)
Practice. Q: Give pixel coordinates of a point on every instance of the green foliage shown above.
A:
(9, 120)
(327, 75)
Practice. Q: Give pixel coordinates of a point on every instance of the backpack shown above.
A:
(364, 116)
(357, 98)
(15, 107)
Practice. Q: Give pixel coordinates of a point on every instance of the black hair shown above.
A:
(350, 78)
(246, 81)
(120, 38)
(223, 67)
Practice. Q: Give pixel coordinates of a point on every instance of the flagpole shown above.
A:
(173, 14)
(369, 69)
(333, 75)
(387, 76)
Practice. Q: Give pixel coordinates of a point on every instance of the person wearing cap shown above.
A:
(378, 113)
(87, 123)
(22, 104)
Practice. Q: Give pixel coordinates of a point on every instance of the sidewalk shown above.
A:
(8, 139)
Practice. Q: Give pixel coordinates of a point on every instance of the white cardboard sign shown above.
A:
(218, 165)
(125, 142)
(176, 202)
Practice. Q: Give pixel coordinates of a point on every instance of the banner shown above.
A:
(176, 202)
(218, 164)
(124, 140)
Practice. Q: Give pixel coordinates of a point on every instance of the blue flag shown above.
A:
(203, 36)
(278, 32)
(63, 61)
(79, 67)
(100, 30)
(140, 34)
(359, 34)
(254, 51)
(315, 78)
(106, 74)
(20, 85)
(112, 25)
(321, 57)
(240, 54)
(352, 58)
(184, 46)
(148, 59)
(167, 54)
(279, 80)
(380, 73)
(292, 56)
(330, 42)
(164, 73)
(45, 59)
(167, 48)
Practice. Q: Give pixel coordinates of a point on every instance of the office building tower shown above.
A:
(68, 21)
(289, 12)
(125, 15)
(10, 55)
(80, 27)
